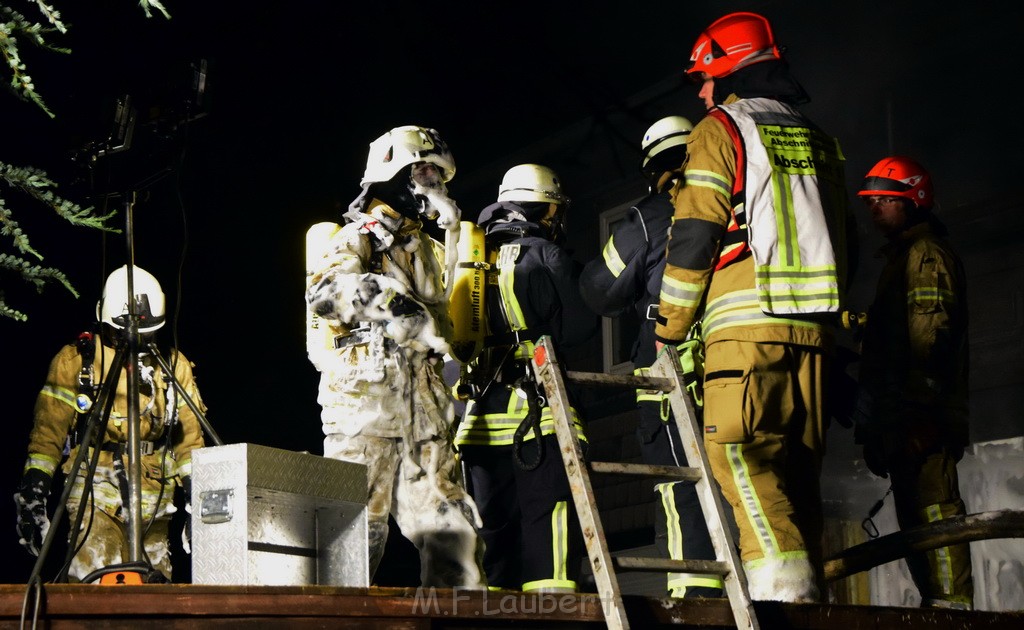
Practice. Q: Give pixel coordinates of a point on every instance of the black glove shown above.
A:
(30, 502)
(875, 457)
(402, 305)
(844, 395)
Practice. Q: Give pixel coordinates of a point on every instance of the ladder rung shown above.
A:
(631, 563)
(647, 470)
(621, 380)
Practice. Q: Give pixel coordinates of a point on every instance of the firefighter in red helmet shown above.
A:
(766, 295)
(913, 412)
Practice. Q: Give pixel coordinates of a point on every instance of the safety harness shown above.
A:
(88, 390)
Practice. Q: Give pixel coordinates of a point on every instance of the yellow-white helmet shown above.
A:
(149, 300)
(670, 131)
(531, 182)
(404, 146)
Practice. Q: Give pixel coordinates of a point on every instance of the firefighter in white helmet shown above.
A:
(513, 462)
(168, 430)
(627, 276)
(376, 284)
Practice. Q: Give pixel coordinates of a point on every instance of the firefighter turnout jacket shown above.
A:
(741, 243)
(628, 274)
(914, 362)
(168, 427)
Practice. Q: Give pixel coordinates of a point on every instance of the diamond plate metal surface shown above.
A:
(267, 516)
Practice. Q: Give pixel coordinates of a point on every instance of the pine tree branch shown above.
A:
(156, 4)
(16, 29)
(35, 274)
(15, 26)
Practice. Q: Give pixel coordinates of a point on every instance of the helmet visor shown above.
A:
(147, 320)
(884, 184)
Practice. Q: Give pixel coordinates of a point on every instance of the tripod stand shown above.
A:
(172, 122)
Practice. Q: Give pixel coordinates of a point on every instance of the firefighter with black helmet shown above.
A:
(756, 253)
(628, 276)
(912, 415)
(506, 439)
(168, 428)
(377, 330)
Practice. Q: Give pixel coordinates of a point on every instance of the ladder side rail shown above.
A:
(549, 374)
(667, 365)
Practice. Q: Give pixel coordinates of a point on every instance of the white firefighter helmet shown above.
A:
(149, 300)
(670, 131)
(404, 146)
(532, 182)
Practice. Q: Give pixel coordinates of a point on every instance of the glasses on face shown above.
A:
(880, 200)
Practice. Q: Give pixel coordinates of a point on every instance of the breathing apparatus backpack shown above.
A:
(467, 298)
(492, 356)
(477, 293)
(320, 333)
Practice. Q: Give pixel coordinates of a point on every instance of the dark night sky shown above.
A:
(297, 90)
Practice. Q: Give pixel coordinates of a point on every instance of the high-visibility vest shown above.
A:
(793, 203)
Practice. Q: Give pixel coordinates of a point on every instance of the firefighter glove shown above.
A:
(875, 458)
(401, 306)
(845, 400)
(30, 503)
(861, 413)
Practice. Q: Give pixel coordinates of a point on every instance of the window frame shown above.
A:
(615, 360)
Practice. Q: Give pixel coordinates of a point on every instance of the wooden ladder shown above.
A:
(667, 376)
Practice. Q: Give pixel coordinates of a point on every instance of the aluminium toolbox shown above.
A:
(266, 516)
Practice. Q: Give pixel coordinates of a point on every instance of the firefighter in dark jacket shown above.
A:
(914, 372)
(168, 428)
(530, 527)
(628, 276)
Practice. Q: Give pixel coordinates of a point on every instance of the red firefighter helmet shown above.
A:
(733, 42)
(899, 176)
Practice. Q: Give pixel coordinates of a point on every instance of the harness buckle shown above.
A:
(356, 336)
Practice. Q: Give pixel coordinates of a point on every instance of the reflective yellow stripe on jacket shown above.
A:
(62, 394)
(498, 429)
(612, 260)
(743, 308)
(507, 256)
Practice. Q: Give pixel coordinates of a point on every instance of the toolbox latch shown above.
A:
(216, 506)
